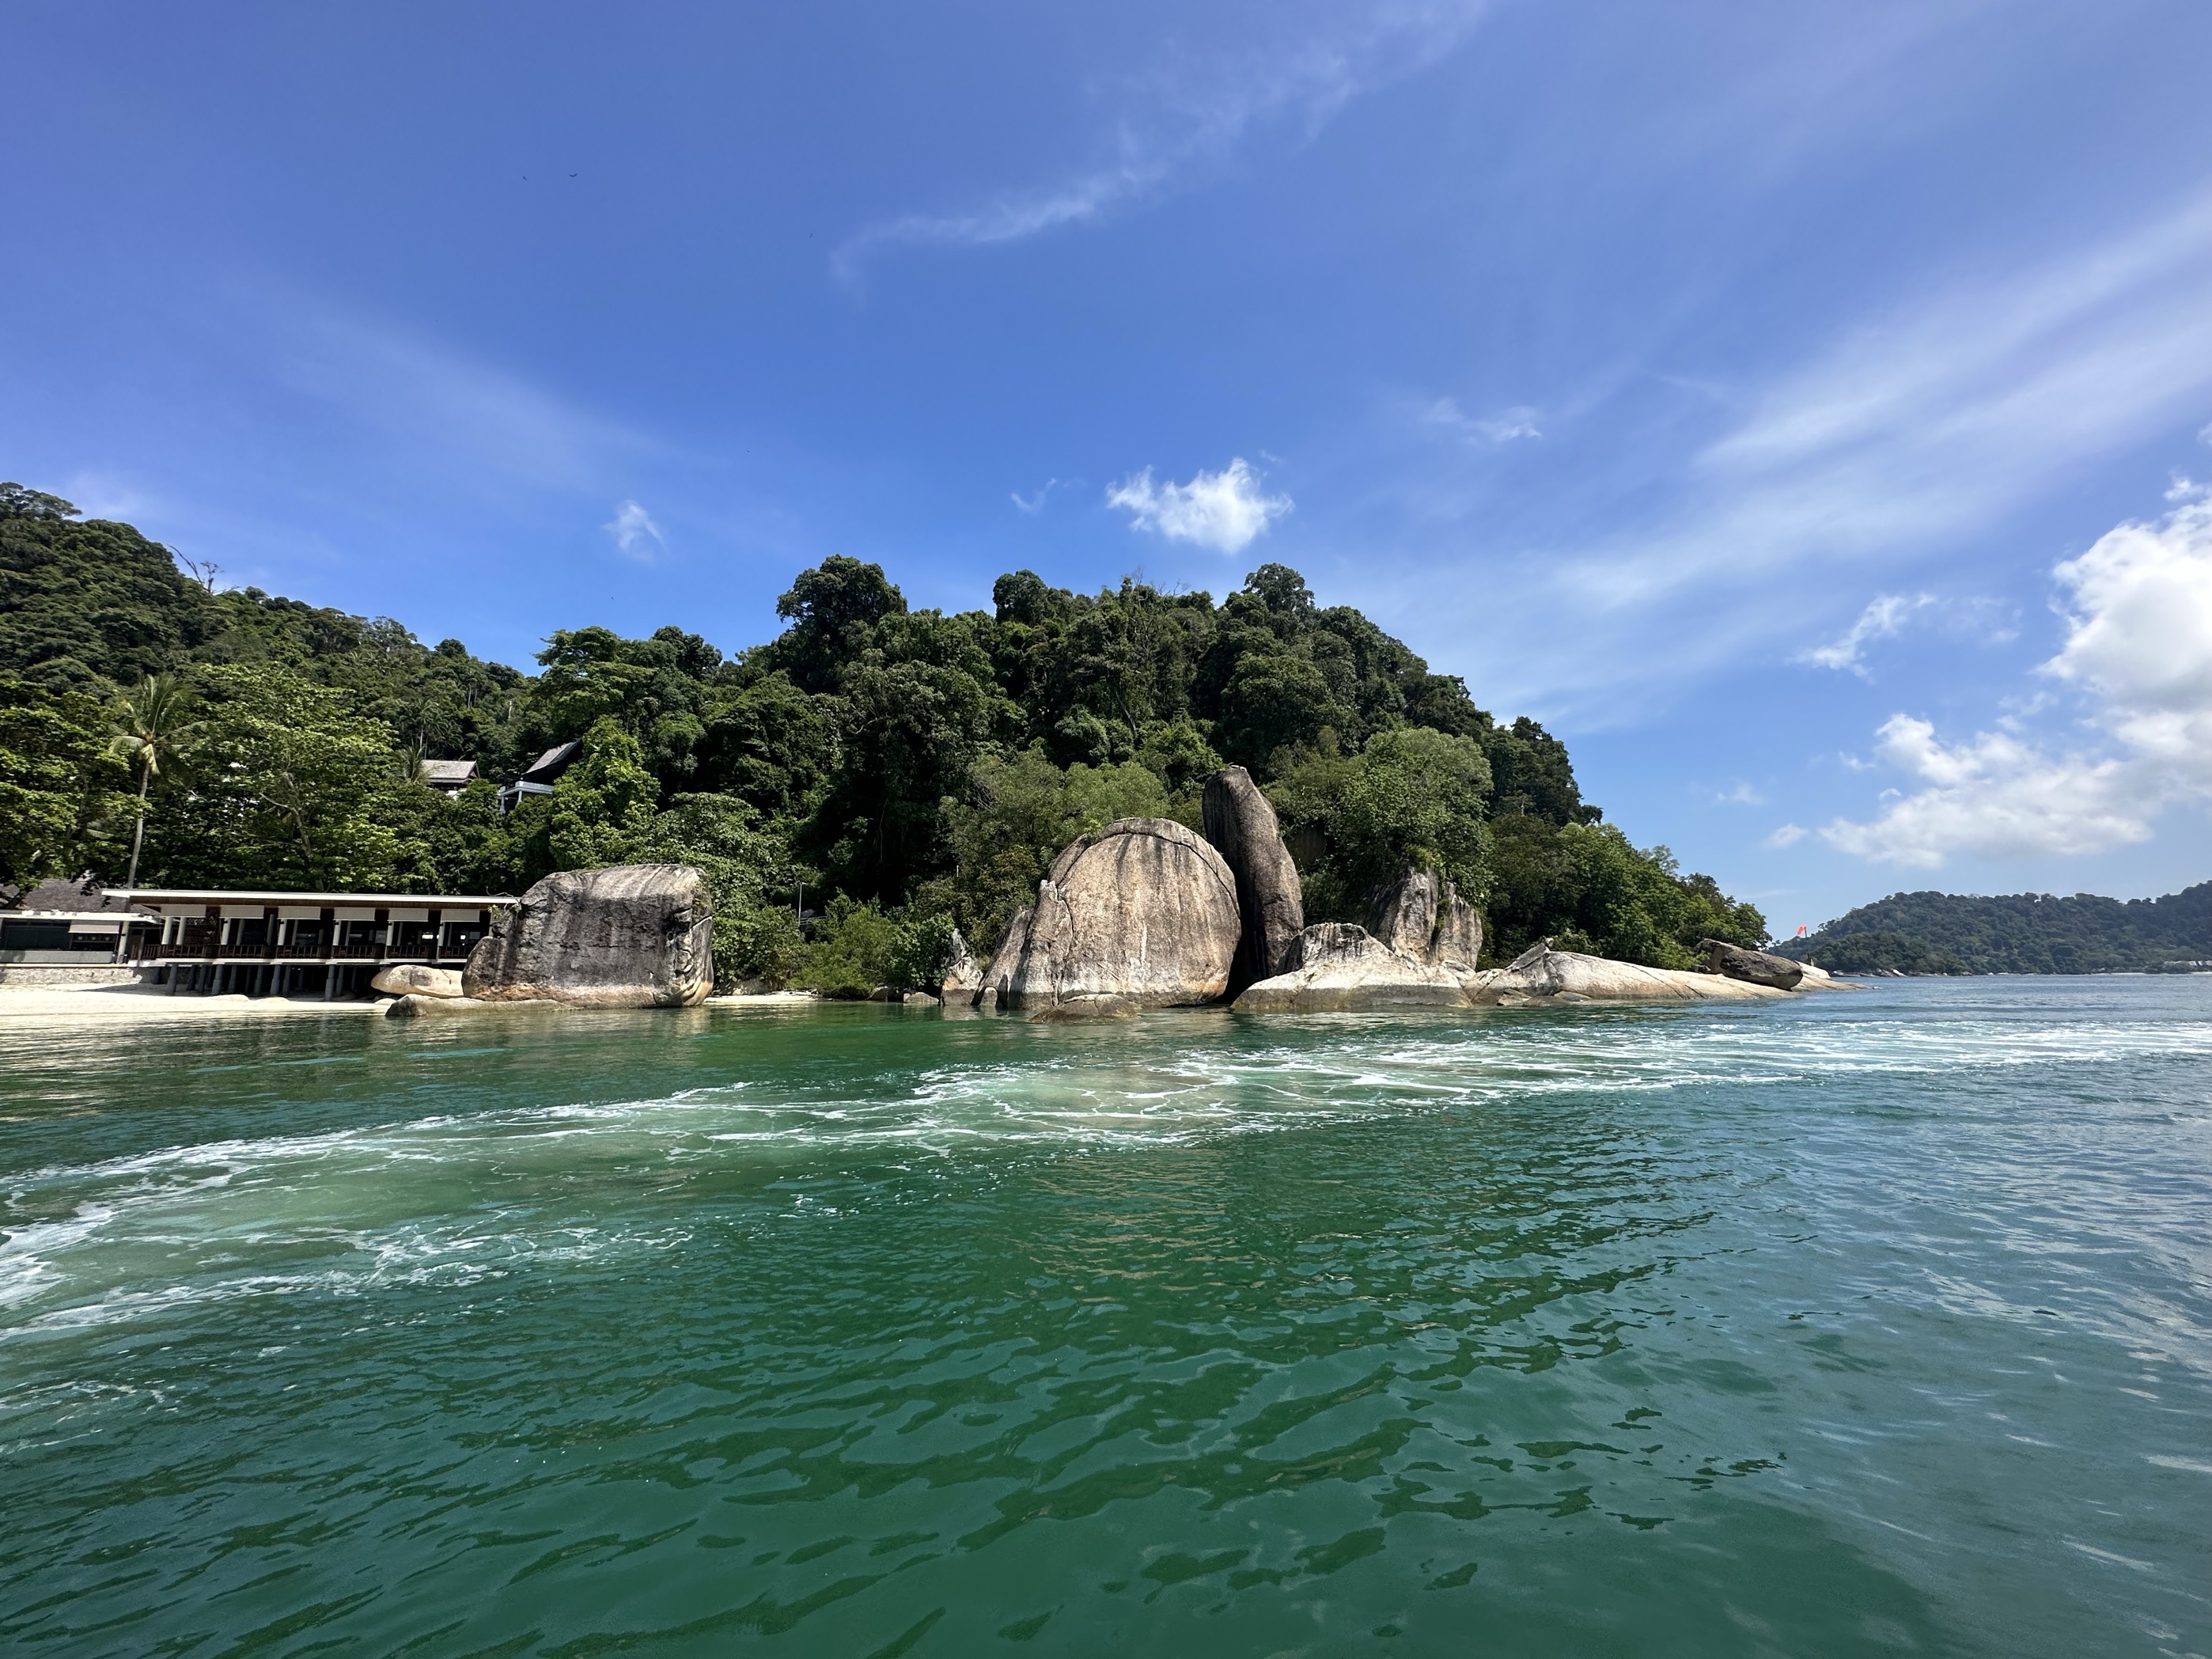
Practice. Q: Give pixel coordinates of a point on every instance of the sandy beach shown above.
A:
(141, 1002)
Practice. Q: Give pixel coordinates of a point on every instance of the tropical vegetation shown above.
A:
(855, 789)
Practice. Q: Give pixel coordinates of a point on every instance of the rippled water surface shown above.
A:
(1878, 1322)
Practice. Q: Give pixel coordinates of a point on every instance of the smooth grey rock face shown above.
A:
(1541, 975)
(1753, 967)
(1143, 909)
(999, 979)
(1422, 914)
(416, 979)
(1241, 824)
(632, 936)
(1338, 967)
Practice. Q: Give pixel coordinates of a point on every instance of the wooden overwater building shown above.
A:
(285, 944)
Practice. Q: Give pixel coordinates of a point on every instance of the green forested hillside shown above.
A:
(904, 768)
(2018, 933)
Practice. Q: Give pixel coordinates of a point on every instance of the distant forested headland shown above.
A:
(902, 768)
(2017, 933)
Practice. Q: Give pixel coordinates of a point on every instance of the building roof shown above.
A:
(449, 773)
(378, 901)
(552, 763)
(57, 896)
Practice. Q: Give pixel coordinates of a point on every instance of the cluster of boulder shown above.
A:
(1144, 914)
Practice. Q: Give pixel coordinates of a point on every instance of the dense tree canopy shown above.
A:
(903, 771)
(2014, 933)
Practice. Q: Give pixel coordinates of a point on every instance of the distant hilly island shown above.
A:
(2016, 933)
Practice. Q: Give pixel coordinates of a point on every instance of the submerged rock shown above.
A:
(1422, 915)
(1143, 908)
(632, 936)
(1241, 824)
(1542, 976)
(1087, 1006)
(1753, 967)
(416, 1006)
(1338, 967)
(413, 979)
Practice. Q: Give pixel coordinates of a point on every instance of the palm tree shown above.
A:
(152, 724)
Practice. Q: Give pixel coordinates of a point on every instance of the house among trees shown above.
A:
(448, 777)
(542, 774)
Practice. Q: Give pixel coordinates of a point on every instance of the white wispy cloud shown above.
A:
(1222, 510)
(2139, 649)
(1742, 795)
(1904, 436)
(1519, 422)
(635, 534)
(1788, 834)
(1032, 504)
(1190, 112)
(1884, 618)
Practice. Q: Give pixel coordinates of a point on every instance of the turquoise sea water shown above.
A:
(1873, 1323)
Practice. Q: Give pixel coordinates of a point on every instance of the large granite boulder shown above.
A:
(1752, 967)
(416, 979)
(1241, 824)
(1338, 967)
(1143, 909)
(633, 936)
(1541, 976)
(1422, 915)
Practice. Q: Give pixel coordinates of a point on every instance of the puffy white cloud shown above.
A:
(2139, 645)
(1223, 510)
(2139, 638)
(1788, 835)
(635, 533)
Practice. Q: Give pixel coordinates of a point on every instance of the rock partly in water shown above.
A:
(998, 978)
(1541, 975)
(1143, 908)
(414, 979)
(1241, 824)
(1752, 967)
(632, 936)
(1338, 967)
(964, 975)
(1422, 915)
(416, 1006)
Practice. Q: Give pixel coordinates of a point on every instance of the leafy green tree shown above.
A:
(1412, 798)
(603, 807)
(56, 782)
(1017, 812)
(833, 609)
(852, 951)
(751, 874)
(287, 785)
(155, 723)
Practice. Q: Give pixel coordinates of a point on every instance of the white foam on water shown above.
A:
(405, 1200)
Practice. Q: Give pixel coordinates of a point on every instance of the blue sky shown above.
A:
(1794, 407)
